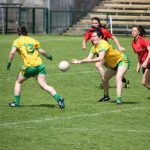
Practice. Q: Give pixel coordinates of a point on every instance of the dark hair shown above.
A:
(140, 29)
(98, 20)
(22, 30)
(99, 33)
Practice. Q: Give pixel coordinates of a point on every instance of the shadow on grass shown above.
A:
(124, 102)
(111, 86)
(100, 87)
(40, 105)
(148, 98)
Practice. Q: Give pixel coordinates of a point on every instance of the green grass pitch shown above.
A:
(85, 124)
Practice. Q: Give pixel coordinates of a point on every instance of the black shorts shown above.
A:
(147, 67)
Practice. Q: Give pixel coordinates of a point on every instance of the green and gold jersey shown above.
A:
(112, 56)
(28, 49)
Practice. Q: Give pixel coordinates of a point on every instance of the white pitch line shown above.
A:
(130, 130)
(82, 129)
(68, 117)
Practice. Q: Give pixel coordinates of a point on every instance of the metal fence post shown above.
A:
(6, 27)
(33, 20)
(50, 22)
(19, 15)
(46, 19)
(3, 26)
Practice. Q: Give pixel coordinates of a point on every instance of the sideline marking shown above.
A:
(97, 129)
(68, 117)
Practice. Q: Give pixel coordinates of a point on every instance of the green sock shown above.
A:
(118, 98)
(17, 99)
(56, 97)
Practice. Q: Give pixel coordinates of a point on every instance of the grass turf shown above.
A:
(85, 124)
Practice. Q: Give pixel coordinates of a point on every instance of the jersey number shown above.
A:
(29, 48)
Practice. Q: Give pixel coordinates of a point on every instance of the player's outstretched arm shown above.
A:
(11, 56)
(84, 44)
(89, 59)
(45, 54)
(118, 44)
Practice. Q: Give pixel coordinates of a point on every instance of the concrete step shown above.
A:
(118, 11)
(117, 17)
(132, 1)
(88, 22)
(118, 31)
(124, 15)
(126, 6)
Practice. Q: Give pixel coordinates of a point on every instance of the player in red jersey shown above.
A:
(96, 25)
(141, 47)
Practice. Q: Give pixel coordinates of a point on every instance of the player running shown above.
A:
(29, 50)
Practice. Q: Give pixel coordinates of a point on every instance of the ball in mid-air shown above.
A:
(64, 65)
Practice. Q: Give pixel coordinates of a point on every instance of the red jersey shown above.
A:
(88, 34)
(140, 47)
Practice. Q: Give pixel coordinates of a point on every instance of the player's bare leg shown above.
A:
(17, 90)
(146, 78)
(101, 69)
(107, 76)
(119, 76)
(42, 82)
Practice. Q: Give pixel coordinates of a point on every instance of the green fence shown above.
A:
(38, 20)
(35, 19)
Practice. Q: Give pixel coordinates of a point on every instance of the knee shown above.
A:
(119, 79)
(104, 78)
(98, 65)
(42, 85)
(18, 81)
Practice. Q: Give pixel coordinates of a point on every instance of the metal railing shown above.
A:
(35, 19)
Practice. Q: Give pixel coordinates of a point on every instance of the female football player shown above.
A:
(117, 64)
(29, 50)
(96, 25)
(141, 47)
